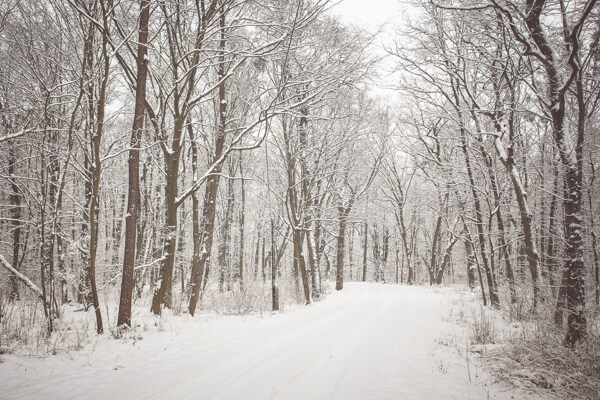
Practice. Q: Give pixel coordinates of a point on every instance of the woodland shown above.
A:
(236, 156)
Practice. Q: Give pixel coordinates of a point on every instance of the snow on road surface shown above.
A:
(369, 341)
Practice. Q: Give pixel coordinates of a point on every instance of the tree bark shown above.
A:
(223, 255)
(212, 185)
(312, 257)
(274, 285)
(133, 196)
(525, 215)
(341, 247)
(242, 226)
(445, 260)
(365, 247)
(15, 204)
(479, 218)
(301, 263)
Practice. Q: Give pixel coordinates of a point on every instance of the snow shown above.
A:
(369, 341)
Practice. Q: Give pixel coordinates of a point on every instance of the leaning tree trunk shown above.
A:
(479, 220)
(445, 260)
(434, 248)
(529, 243)
(524, 212)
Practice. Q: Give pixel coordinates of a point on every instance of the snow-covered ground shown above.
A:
(369, 341)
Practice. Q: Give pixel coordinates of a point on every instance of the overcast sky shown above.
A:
(372, 13)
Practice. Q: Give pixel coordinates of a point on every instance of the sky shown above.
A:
(372, 13)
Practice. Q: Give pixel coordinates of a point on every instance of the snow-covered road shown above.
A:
(368, 341)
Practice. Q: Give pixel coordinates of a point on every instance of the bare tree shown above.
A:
(133, 199)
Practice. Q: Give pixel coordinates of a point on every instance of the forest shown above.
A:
(183, 157)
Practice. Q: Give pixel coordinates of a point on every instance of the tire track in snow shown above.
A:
(282, 334)
(370, 341)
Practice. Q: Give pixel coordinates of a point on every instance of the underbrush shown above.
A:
(544, 365)
(253, 298)
(23, 325)
(483, 329)
(24, 329)
(520, 346)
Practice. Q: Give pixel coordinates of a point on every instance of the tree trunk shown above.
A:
(312, 257)
(551, 259)
(242, 226)
(300, 262)
(163, 295)
(561, 299)
(434, 247)
(274, 286)
(257, 253)
(470, 264)
(15, 208)
(470, 250)
(501, 232)
(397, 261)
(376, 254)
(210, 196)
(263, 260)
(596, 270)
(365, 247)
(445, 260)
(351, 252)
(525, 214)
(479, 219)
(410, 279)
(133, 196)
(341, 244)
(386, 250)
(223, 255)
(207, 226)
(94, 210)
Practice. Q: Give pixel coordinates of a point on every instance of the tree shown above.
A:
(133, 198)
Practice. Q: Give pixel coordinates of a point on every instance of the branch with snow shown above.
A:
(22, 277)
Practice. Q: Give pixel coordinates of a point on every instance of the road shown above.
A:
(369, 341)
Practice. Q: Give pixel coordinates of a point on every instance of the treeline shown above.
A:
(501, 109)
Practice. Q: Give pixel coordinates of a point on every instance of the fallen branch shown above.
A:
(22, 277)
